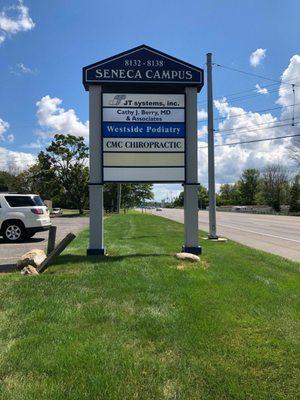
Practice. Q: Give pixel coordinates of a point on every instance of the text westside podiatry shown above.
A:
(142, 129)
(138, 129)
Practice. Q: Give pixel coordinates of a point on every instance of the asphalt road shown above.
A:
(275, 234)
(11, 252)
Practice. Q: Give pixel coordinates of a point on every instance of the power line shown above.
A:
(263, 123)
(243, 98)
(249, 96)
(277, 83)
(250, 90)
(255, 111)
(241, 92)
(262, 129)
(251, 141)
(228, 96)
(256, 75)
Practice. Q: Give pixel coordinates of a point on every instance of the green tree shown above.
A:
(229, 194)
(275, 186)
(133, 195)
(295, 195)
(66, 159)
(249, 185)
(179, 200)
(203, 200)
(40, 179)
(7, 181)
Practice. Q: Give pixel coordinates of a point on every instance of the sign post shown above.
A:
(143, 128)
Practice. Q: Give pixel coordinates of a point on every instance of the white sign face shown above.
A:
(143, 137)
(143, 100)
(143, 145)
(120, 114)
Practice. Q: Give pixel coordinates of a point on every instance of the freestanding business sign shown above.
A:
(143, 128)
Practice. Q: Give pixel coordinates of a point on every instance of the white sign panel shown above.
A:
(143, 145)
(143, 114)
(143, 137)
(145, 174)
(143, 100)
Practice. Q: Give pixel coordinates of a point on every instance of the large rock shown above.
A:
(187, 256)
(29, 270)
(33, 257)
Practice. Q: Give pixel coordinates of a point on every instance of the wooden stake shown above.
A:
(56, 252)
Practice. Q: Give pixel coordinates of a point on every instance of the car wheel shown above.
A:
(14, 232)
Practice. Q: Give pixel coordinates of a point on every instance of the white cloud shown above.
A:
(54, 119)
(239, 126)
(10, 138)
(286, 95)
(3, 128)
(202, 114)
(257, 56)
(14, 160)
(261, 90)
(168, 191)
(243, 125)
(34, 145)
(202, 131)
(22, 69)
(15, 19)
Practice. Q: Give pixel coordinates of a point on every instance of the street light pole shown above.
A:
(211, 152)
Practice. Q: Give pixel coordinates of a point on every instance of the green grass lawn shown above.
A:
(67, 212)
(141, 325)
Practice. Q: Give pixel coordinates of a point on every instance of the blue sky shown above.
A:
(43, 56)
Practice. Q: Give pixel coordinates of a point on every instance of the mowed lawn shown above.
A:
(139, 324)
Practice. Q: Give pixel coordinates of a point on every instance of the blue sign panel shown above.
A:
(143, 65)
(157, 130)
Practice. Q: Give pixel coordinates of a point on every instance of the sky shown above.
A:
(45, 44)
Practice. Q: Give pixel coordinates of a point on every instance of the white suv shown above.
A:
(21, 216)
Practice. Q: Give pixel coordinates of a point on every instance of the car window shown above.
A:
(20, 201)
(38, 201)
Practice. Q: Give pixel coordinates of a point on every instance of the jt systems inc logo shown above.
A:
(117, 99)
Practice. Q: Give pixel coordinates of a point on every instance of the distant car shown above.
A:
(56, 212)
(158, 209)
(21, 216)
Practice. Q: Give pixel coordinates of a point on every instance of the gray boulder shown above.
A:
(29, 270)
(33, 257)
(187, 256)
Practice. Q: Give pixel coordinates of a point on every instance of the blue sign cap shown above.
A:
(143, 65)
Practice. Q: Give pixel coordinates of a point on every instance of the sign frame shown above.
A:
(148, 152)
(176, 72)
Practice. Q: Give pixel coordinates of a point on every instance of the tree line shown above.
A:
(62, 175)
(272, 187)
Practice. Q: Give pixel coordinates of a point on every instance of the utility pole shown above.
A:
(119, 194)
(211, 152)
